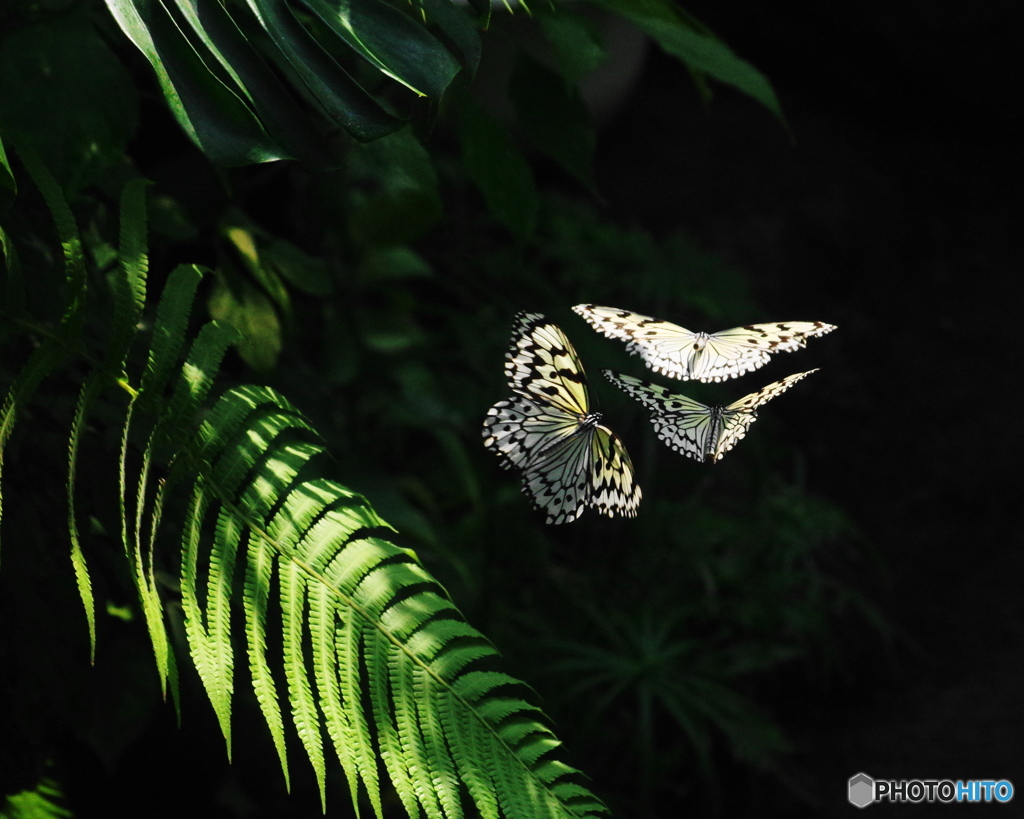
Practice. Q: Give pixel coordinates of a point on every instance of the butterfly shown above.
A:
(680, 353)
(547, 430)
(693, 428)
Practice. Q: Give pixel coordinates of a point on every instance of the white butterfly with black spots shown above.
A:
(695, 429)
(569, 460)
(680, 353)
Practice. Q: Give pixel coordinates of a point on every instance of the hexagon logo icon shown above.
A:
(862, 790)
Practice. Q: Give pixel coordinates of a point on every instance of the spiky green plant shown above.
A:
(374, 660)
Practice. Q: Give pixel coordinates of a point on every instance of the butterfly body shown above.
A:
(694, 429)
(687, 355)
(546, 429)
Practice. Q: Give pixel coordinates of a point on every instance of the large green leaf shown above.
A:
(213, 115)
(210, 60)
(699, 49)
(341, 97)
(392, 41)
(214, 31)
(452, 20)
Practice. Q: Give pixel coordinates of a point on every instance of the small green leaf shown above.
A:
(252, 314)
(304, 272)
(553, 117)
(397, 199)
(383, 264)
(128, 279)
(573, 36)
(700, 50)
(497, 168)
(169, 327)
(246, 242)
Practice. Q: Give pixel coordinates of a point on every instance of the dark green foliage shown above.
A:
(373, 652)
(378, 298)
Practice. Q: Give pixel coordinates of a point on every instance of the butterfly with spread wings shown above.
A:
(695, 429)
(546, 429)
(680, 353)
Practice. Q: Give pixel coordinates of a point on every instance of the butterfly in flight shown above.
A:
(680, 353)
(695, 429)
(546, 429)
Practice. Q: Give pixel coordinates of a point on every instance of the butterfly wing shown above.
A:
(565, 468)
(665, 347)
(518, 430)
(739, 415)
(549, 447)
(740, 350)
(543, 366)
(613, 486)
(568, 460)
(680, 353)
(686, 425)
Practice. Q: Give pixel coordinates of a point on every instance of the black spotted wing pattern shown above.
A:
(568, 459)
(687, 355)
(694, 429)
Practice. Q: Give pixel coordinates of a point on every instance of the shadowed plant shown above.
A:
(373, 660)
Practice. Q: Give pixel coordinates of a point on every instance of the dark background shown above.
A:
(889, 207)
(894, 213)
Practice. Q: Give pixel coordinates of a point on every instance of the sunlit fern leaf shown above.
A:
(363, 624)
(169, 327)
(50, 353)
(198, 374)
(300, 691)
(128, 282)
(368, 651)
(129, 288)
(45, 800)
(209, 630)
(140, 523)
(84, 582)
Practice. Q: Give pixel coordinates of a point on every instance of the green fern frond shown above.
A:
(360, 619)
(128, 285)
(369, 657)
(129, 295)
(55, 346)
(70, 241)
(78, 561)
(41, 802)
(169, 327)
